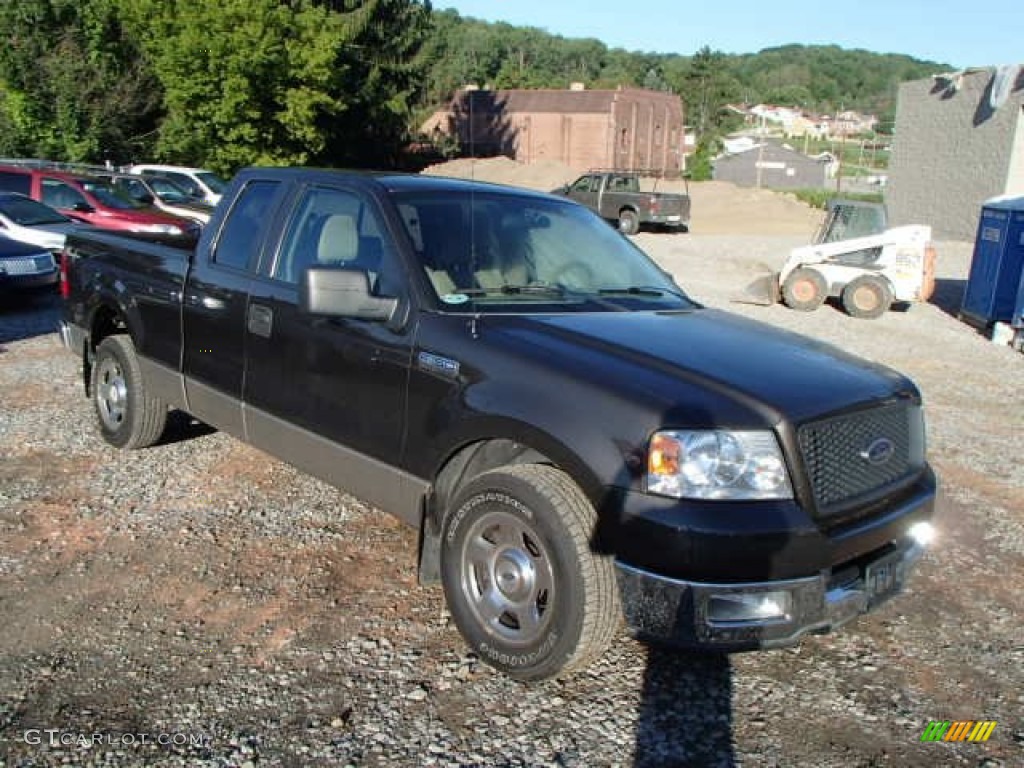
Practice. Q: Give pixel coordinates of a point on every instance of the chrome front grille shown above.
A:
(855, 454)
(31, 265)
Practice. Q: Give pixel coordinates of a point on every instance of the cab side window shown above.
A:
(240, 236)
(58, 194)
(333, 227)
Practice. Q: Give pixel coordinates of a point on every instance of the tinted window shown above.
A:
(29, 213)
(240, 236)
(62, 195)
(15, 182)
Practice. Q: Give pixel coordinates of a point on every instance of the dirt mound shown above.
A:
(718, 207)
(544, 176)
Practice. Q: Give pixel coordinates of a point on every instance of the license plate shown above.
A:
(884, 578)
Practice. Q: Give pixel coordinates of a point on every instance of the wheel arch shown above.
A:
(106, 318)
(471, 458)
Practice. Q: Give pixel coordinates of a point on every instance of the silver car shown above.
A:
(28, 221)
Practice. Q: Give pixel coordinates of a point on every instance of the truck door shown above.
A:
(586, 190)
(328, 393)
(214, 308)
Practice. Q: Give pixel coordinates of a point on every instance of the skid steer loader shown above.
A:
(856, 259)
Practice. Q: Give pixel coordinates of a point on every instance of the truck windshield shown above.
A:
(493, 252)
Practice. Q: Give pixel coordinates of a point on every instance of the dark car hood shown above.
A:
(759, 366)
(14, 249)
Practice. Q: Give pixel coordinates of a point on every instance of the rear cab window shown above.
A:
(242, 232)
(12, 181)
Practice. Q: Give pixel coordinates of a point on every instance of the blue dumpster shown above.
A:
(994, 292)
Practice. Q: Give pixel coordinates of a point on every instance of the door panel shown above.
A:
(214, 309)
(342, 379)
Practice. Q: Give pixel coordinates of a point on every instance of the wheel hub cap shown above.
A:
(515, 575)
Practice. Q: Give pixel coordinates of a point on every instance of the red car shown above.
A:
(93, 200)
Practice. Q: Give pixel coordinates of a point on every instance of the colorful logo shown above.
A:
(958, 730)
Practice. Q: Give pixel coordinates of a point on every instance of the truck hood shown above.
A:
(753, 364)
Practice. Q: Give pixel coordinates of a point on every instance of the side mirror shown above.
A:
(145, 198)
(82, 207)
(343, 292)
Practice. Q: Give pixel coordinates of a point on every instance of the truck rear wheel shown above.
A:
(868, 296)
(629, 222)
(804, 289)
(129, 417)
(523, 586)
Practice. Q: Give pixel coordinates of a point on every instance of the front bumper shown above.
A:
(688, 613)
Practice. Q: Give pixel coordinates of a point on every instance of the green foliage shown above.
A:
(72, 84)
(818, 198)
(225, 83)
(700, 166)
(825, 79)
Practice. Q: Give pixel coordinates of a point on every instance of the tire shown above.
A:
(129, 417)
(629, 222)
(868, 297)
(522, 584)
(804, 290)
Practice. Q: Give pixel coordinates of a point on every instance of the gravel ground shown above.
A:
(200, 604)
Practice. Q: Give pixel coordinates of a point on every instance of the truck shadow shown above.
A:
(182, 427)
(685, 715)
(25, 315)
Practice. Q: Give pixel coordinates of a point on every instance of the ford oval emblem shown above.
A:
(879, 451)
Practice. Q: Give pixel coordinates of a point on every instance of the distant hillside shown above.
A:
(460, 51)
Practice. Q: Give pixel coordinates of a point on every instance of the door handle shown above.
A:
(205, 301)
(260, 320)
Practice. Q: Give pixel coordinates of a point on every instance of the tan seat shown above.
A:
(339, 240)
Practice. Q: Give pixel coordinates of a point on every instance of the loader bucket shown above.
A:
(764, 291)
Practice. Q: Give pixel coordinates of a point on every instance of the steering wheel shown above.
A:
(575, 275)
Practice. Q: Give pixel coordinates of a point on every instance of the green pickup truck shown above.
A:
(616, 196)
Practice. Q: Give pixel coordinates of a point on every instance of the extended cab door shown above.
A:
(214, 307)
(328, 393)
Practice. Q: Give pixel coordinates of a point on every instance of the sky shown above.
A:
(961, 34)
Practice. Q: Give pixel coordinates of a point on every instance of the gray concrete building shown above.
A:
(771, 165)
(959, 140)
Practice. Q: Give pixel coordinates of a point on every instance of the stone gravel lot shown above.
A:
(200, 604)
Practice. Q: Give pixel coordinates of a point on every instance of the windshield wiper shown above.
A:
(640, 290)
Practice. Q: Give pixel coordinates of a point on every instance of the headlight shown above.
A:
(159, 229)
(717, 464)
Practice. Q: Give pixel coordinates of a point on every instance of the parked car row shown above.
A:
(41, 202)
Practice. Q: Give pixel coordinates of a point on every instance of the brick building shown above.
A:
(959, 141)
(626, 128)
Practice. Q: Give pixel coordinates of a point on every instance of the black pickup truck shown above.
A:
(572, 436)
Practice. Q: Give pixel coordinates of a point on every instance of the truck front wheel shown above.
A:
(523, 586)
(629, 222)
(129, 416)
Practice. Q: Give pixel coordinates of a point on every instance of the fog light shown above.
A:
(755, 606)
(922, 533)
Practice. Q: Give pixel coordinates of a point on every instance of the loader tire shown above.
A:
(805, 289)
(868, 296)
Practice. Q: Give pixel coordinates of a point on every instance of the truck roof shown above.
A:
(394, 181)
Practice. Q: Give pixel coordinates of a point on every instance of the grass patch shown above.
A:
(818, 198)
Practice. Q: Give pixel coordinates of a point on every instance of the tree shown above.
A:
(277, 82)
(72, 83)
